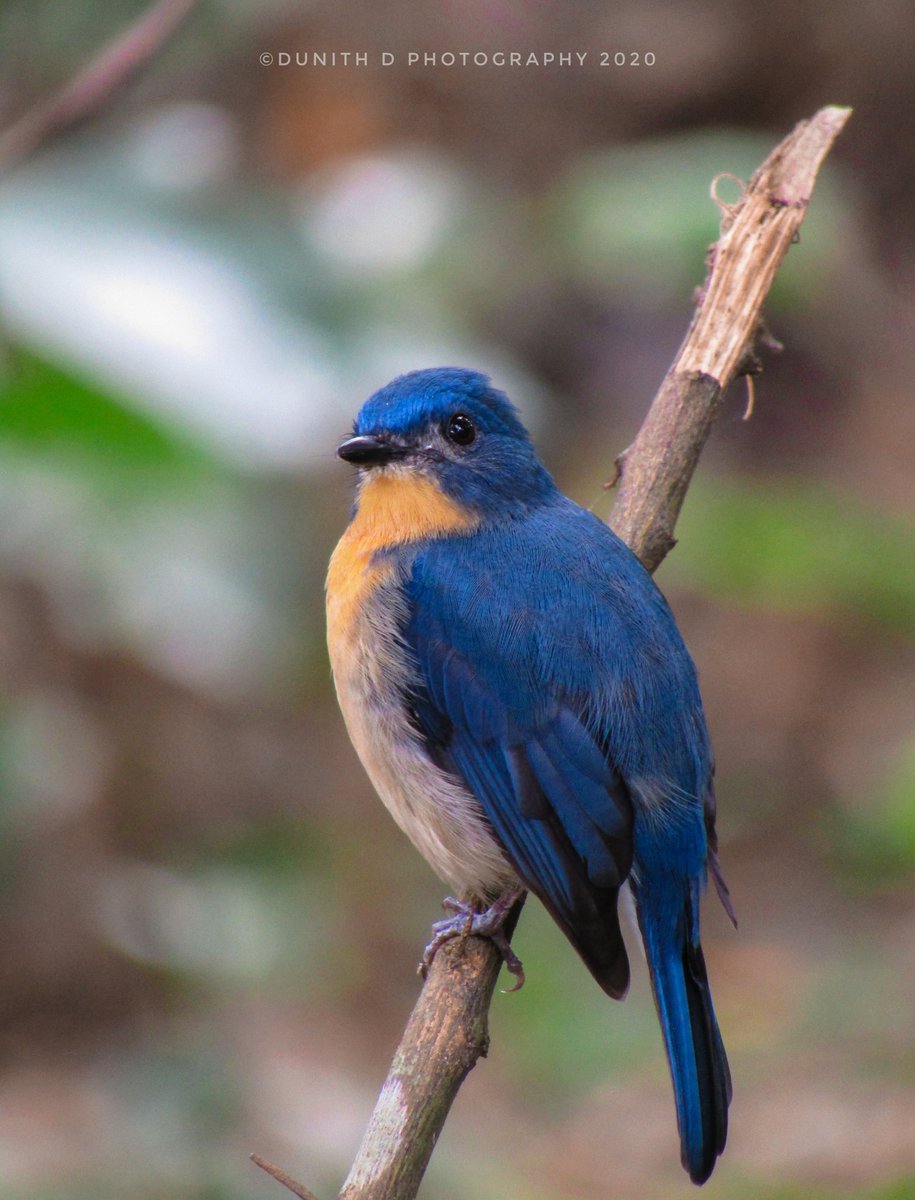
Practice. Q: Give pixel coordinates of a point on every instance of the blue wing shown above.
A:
(558, 809)
(552, 680)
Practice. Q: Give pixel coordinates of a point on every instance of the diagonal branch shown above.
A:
(282, 1178)
(114, 65)
(755, 236)
(447, 1031)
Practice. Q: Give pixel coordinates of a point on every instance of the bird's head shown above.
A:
(449, 426)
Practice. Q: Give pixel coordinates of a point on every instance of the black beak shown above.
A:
(370, 451)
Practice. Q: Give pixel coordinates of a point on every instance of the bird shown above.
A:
(520, 697)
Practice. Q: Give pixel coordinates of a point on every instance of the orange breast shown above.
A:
(393, 508)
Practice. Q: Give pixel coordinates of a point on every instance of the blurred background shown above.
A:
(209, 925)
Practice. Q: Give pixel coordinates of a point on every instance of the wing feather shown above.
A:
(559, 810)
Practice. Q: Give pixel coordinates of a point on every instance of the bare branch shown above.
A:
(281, 1177)
(447, 1031)
(446, 1034)
(115, 64)
(755, 236)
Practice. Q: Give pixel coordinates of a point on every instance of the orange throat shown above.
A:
(394, 507)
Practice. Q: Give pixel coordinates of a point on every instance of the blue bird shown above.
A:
(522, 700)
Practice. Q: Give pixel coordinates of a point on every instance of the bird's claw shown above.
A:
(466, 921)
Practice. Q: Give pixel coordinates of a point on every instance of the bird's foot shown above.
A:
(465, 921)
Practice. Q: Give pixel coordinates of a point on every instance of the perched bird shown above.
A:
(519, 694)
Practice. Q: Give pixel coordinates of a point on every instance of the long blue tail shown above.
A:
(698, 1064)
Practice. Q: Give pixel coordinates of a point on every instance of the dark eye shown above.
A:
(460, 429)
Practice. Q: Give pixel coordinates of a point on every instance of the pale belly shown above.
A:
(442, 819)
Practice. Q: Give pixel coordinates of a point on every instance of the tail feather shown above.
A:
(698, 1064)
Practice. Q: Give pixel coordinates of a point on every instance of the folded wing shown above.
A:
(558, 807)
